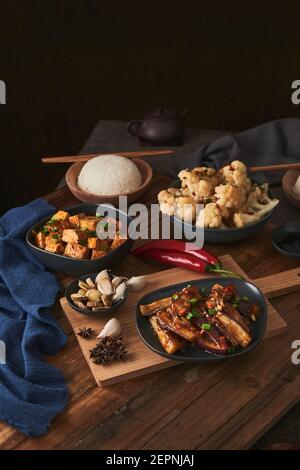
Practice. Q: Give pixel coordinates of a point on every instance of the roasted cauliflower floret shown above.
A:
(200, 182)
(185, 208)
(212, 216)
(230, 196)
(167, 200)
(257, 197)
(175, 202)
(241, 219)
(236, 173)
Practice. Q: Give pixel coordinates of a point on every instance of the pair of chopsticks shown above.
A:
(85, 158)
(146, 153)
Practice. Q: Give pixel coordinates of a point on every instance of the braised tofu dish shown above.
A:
(75, 236)
(218, 321)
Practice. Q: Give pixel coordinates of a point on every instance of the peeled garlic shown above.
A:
(116, 281)
(105, 286)
(136, 283)
(119, 292)
(102, 275)
(112, 328)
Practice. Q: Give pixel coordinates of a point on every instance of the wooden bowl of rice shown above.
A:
(110, 177)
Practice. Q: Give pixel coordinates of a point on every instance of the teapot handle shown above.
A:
(133, 127)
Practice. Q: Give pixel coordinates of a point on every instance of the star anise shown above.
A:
(108, 349)
(85, 332)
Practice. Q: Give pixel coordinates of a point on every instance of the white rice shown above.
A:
(109, 175)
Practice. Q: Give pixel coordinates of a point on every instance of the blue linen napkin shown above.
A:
(32, 391)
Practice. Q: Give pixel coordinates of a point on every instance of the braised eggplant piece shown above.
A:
(169, 341)
(177, 325)
(155, 307)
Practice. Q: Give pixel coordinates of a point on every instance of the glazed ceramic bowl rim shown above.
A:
(228, 230)
(109, 196)
(76, 260)
(105, 310)
(276, 240)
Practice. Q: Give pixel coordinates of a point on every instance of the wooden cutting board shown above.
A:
(141, 360)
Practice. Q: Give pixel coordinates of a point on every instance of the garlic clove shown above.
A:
(116, 281)
(119, 292)
(112, 328)
(102, 275)
(136, 283)
(105, 286)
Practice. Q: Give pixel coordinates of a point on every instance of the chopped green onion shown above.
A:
(245, 298)
(230, 350)
(211, 311)
(188, 286)
(175, 296)
(203, 290)
(206, 326)
(193, 300)
(192, 314)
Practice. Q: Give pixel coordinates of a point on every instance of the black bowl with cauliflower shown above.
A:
(235, 207)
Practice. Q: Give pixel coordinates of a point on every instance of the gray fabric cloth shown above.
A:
(282, 137)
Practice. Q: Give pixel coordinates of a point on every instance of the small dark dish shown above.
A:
(226, 235)
(74, 266)
(72, 288)
(286, 240)
(190, 354)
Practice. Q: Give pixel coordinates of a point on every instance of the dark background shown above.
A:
(68, 64)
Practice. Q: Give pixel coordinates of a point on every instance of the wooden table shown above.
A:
(226, 405)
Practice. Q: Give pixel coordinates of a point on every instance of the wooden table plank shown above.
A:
(149, 412)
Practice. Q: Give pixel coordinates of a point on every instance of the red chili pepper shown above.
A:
(175, 253)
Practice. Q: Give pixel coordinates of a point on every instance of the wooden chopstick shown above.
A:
(85, 158)
(283, 166)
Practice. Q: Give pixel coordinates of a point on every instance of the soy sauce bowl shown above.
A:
(72, 288)
(286, 240)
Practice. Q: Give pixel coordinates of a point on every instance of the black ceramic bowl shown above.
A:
(74, 266)
(218, 235)
(244, 288)
(281, 233)
(72, 288)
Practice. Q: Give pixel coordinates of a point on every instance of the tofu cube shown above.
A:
(89, 223)
(61, 215)
(55, 247)
(73, 235)
(117, 242)
(75, 219)
(40, 240)
(94, 243)
(73, 250)
(98, 254)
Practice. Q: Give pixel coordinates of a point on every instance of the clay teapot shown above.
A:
(160, 126)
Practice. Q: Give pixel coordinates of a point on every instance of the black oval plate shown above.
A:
(244, 288)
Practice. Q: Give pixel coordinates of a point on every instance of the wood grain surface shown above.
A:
(164, 410)
(141, 360)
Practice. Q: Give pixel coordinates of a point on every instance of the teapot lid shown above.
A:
(163, 114)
